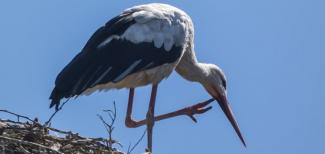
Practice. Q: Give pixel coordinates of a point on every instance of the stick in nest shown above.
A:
(55, 112)
(109, 126)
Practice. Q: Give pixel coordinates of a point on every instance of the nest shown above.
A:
(32, 137)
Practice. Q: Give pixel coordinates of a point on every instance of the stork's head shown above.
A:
(216, 85)
(215, 81)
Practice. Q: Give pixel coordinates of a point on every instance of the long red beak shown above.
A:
(223, 102)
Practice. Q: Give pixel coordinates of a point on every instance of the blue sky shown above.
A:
(271, 51)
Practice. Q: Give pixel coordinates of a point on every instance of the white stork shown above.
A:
(142, 46)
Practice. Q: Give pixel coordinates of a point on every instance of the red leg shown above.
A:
(128, 119)
(190, 111)
(151, 116)
(149, 121)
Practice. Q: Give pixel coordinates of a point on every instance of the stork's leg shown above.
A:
(151, 116)
(189, 111)
(128, 119)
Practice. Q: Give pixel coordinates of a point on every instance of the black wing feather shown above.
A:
(93, 65)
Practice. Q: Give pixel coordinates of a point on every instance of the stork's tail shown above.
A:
(56, 98)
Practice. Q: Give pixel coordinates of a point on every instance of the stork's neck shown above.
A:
(190, 69)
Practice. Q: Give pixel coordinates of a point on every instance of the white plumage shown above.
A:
(161, 24)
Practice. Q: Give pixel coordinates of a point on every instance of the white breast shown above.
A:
(154, 75)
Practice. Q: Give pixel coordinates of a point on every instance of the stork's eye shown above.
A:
(224, 84)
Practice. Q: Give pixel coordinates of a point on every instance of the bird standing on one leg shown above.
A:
(142, 46)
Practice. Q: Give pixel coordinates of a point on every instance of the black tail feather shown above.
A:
(56, 98)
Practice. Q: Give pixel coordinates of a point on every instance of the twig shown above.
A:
(18, 116)
(137, 143)
(56, 111)
(110, 126)
(59, 131)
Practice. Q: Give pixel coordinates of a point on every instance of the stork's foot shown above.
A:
(199, 108)
(190, 111)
